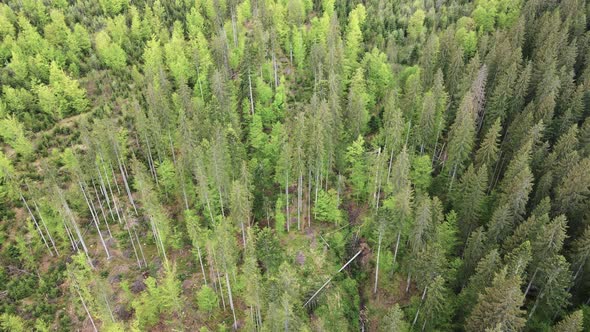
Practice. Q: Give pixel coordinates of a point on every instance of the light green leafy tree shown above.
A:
(110, 53)
(13, 133)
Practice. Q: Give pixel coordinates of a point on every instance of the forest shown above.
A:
(295, 165)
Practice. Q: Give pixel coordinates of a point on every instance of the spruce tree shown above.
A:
(499, 303)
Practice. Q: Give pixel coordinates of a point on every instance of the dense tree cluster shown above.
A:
(296, 165)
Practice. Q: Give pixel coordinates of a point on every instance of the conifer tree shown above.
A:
(461, 138)
(499, 303)
(574, 322)
(394, 321)
(355, 156)
(488, 151)
(470, 197)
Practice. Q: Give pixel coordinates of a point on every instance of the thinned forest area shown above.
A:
(295, 165)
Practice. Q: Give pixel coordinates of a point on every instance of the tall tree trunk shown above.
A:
(114, 178)
(317, 186)
(399, 233)
(330, 278)
(36, 225)
(390, 165)
(528, 287)
(95, 219)
(201, 263)
(200, 85)
(158, 238)
(377, 267)
(127, 187)
(251, 97)
(436, 142)
(151, 160)
(221, 290)
(45, 227)
(221, 201)
(133, 245)
(299, 198)
(86, 309)
(276, 70)
(128, 227)
(309, 198)
(69, 213)
(287, 200)
(105, 194)
(69, 233)
(106, 221)
(415, 319)
(231, 300)
(140, 247)
(106, 301)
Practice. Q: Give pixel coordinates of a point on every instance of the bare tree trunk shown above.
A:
(106, 301)
(221, 290)
(201, 262)
(534, 308)
(317, 186)
(453, 177)
(378, 180)
(95, 219)
(151, 160)
(231, 300)
(199, 81)
(133, 245)
(330, 279)
(390, 165)
(299, 199)
(114, 178)
(309, 198)
(338, 189)
(45, 227)
(287, 200)
(127, 186)
(140, 247)
(69, 232)
(75, 226)
(415, 318)
(86, 309)
(158, 238)
(436, 142)
(251, 98)
(577, 274)
(130, 238)
(102, 210)
(396, 246)
(276, 69)
(259, 317)
(36, 225)
(418, 311)
(528, 287)
(377, 267)
(243, 234)
(221, 201)
(103, 190)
